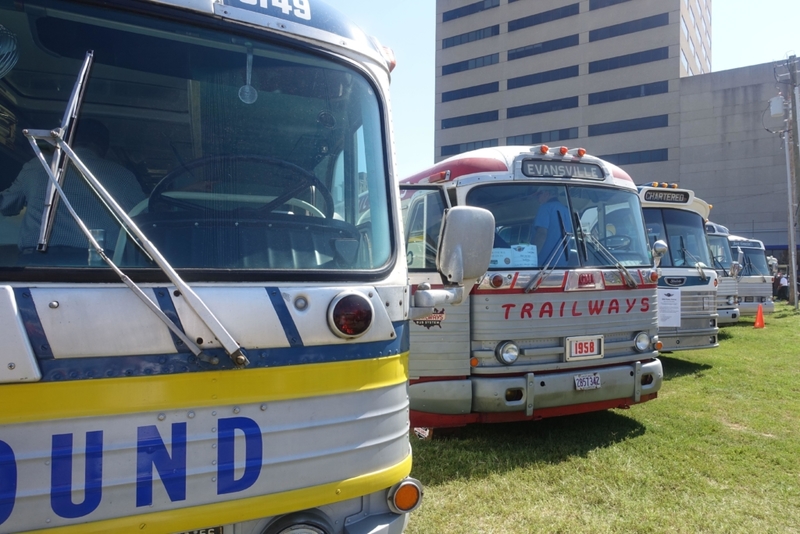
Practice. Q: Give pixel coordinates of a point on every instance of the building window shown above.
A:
(543, 137)
(542, 77)
(624, 93)
(541, 48)
(541, 18)
(467, 92)
(468, 37)
(542, 107)
(691, 72)
(629, 27)
(632, 158)
(691, 46)
(684, 28)
(628, 60)
(471, 9)
(470, 64)
(466, 120)
(684, 61)
(452, 150)
(631, 125)
(708, 64)
(691, 17)
(597, 4)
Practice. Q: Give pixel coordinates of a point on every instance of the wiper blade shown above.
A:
(558, 251)
(623, 271)
(233, 349)
(58, 164)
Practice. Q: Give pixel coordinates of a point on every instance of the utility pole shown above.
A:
(792, 126)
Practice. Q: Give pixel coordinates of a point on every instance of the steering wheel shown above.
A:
(616, 242)
(304, 179)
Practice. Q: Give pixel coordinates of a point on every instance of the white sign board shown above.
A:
(669, 306)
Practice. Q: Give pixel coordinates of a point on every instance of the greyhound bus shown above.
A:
(204, 301)
(564, 321)
(755, 279)
(687, 288)
(727, 271)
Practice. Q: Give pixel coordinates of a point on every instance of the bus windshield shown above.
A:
(720, 251)
(546, 225)
(229, 152)
(755, 262)
(683, 231)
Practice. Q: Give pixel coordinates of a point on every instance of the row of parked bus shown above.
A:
(591, 277)
(205, 260)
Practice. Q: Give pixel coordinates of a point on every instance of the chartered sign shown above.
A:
(666, 195)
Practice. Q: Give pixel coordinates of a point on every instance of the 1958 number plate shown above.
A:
(587, 381)
(584, 348)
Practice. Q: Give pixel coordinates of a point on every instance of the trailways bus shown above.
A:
(203, 300)
(687, 288)
(564, 321)
(755, 279)
(727, 271)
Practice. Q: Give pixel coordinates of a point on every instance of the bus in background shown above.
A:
(204, 301)
(727, 271)
(687, 287)
(564, 322)
(755, 279)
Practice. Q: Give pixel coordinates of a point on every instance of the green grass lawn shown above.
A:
(717, 451)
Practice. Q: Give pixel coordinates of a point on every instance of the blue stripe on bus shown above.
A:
(168, 307)
(160, 364)
(285, 317)
(32, 323)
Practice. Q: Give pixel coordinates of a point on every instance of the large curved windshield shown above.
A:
(228, 152)
(755, 262)
(683, 231)
(547, 225)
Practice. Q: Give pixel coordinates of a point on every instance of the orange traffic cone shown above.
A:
(759, 317)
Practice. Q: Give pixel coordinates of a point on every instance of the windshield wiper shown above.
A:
(561, 248)
(697, 263)
(623, 271)
(206, 316)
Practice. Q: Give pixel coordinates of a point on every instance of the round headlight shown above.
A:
(642, 342)
(350, 315)
(507, 352)
(731, 300)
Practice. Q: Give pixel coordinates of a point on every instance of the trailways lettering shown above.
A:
(151, 453)
(589, 307)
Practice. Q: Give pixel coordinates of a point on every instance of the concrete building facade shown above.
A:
(630, 81)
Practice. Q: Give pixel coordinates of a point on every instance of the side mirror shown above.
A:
(659, 249)
(736, 268)
(465, 244)
(465, 249)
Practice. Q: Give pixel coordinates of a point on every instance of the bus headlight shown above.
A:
(507, 352)
(350, 315)
(642, 342)
(731, 300)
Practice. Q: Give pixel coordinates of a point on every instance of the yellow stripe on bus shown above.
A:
(223, 513)
(41, 401)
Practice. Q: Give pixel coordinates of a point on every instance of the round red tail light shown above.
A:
(496, 281)
(350, 315)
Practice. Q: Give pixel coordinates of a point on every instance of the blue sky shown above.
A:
(744, 33)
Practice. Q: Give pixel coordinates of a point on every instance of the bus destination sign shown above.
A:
(666, 195)
(561, 169)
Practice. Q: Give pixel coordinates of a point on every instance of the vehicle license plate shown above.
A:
(587, 381)
(208, 530)
(748, 299)
(584, 348)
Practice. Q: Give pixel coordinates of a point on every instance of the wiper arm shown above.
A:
(534, 284)
(697, 263)
(626, 275)
(233, 349)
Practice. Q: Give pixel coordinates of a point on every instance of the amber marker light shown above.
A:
(654, 276)
(405, 496)
(473, 362)
(659, 345)
(563, 150)
(581, 152)
(544, 149)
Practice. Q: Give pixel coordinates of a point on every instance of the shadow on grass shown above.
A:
(485, 449)
(676, 368)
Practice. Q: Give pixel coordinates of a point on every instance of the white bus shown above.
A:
(755, 279)
(727, 271)
(565, 321)
(687, 288)
(204, 303)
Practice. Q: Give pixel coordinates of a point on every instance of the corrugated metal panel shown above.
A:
(443, 349)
